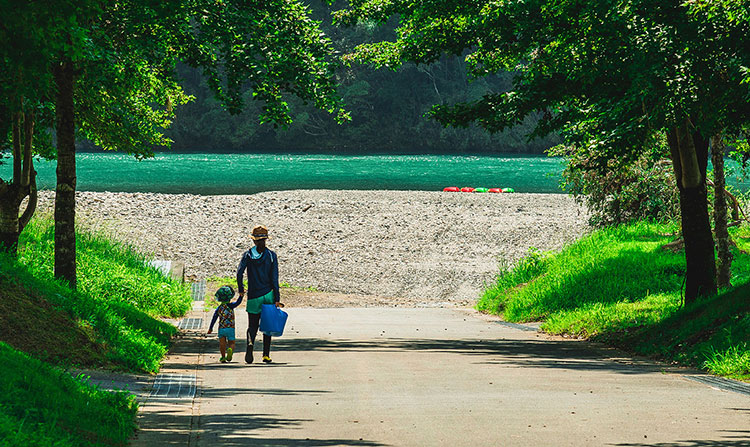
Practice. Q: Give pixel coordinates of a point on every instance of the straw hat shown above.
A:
(259, 232)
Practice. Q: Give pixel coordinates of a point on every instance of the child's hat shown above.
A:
(225, 293)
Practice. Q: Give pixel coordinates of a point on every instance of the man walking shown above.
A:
(262, 268)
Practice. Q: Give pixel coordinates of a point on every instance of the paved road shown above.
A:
(436, 377)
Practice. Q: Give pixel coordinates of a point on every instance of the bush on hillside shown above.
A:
(130, 338)
(115, 306)
(620, 189)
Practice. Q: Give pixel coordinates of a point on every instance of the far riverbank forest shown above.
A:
(387, 108)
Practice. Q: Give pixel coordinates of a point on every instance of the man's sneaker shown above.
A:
(249, 353)
(230, 351)
(223, 360)
(267, 359)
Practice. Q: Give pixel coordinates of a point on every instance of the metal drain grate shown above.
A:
(174, 386)
(199, 290)
(722, 384)
(522, 327)
(190, 323)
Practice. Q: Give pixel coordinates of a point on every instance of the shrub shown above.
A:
(621, 189)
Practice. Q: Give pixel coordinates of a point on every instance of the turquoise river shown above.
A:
(251, 173)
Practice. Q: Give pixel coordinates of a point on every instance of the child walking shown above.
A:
(225, 314)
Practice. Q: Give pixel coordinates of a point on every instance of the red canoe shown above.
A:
(452, 189)
(495, 190)
(467, 189)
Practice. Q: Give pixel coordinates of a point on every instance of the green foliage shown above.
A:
(118, 298)
(620, 190)
(620, 286)
(734, 361)
(609, 81)
(110, 270)
(41, 405)
(125, 53)
(387, 109)
(533, 265)
(593, 270)
(607, 76)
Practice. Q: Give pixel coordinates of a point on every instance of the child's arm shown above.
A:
(213, 320)
(237, 303)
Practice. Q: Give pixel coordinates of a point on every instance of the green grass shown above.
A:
(112, 315)
(41, 405)
(111, 321)
(620, 286)
(107, 269)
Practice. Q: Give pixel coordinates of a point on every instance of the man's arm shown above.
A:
(240, 272)
(275, 278)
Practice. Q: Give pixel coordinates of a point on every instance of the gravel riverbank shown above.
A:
(420, 248)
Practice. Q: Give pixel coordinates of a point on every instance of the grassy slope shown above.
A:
(110, 321)
(618, 285)
(115, 306)
(41, 405)
(33, 325)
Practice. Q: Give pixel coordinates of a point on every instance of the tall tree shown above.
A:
(24, 112)
(606, 75)
(21, 185)
(65, 192)
(724, 264)
(112, 71)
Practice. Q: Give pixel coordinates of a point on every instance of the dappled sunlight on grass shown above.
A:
(116, 303)
(600, 318)
(44, 405)
(619, 285)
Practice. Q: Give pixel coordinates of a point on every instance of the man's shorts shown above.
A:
(227, 332)
(254, 304)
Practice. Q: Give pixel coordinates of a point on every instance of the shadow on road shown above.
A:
(744, 442)
(216, 428)
(521, 353)
(211, 393)
(233, 430)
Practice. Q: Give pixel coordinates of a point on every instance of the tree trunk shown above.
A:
(65, 193)
(689, 153)
(32, 203)
(724, 266)
(22, 185)
(9, 229)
